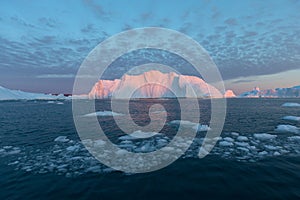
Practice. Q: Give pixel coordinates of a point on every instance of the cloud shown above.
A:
(59, 76)
(250, 33)
(97, 9)
(88, 29)
(55, 76)
(231, 21)
(46, 21)
(243, 81)
(22, 22)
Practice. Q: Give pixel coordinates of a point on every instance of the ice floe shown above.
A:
(242, 138)
(61, 139)
(225, 144)
(196, 126)
(71, 158)
(287, 129)
(103, 113)
(264, 136)
(291, 105)
(292, 118)
(294, 138)
(138, 135)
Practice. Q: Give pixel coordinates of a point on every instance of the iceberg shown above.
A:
(155, 84)
(229, 94)
(7, 94)
(293, 92)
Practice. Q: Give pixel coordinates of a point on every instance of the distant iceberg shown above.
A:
(7, 94)
(293, 92)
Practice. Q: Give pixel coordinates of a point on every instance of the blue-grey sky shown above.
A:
(43, 42)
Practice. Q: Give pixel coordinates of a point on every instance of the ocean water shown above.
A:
(257, 155)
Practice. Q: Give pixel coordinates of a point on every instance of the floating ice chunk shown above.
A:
(183, 123)
(61, 139)
(263, 153)
(15, 150)
(287, 129)
(60, 103)
(168, 149)
(73, 148)
(225, 144)
(242, 138)
(271, 148)
(264, 136)
(292, 118)
(121, 152)
(50, 102)
(195, 126)
(94, 169)
(14, 163)
(242, 144)
(291, 105)
(228, 139)
(243, 149)
(235, 134)
(216, 138)
(201, 128)
(99, 143)
(103, 114)
(276, 153)
(294, 138)
(138, 135)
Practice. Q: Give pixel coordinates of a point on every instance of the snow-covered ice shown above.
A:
(291, 105)
(196, 126)
(225, 144)
(228, 139)
(292, 118)
(71, 158)
(287, 129)
(138, 135)
(294, 138)
(201, 128)
(61, 139)
(264, 136)
(103, 113)
(242, 138)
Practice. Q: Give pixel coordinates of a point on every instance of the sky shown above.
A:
(253, 42)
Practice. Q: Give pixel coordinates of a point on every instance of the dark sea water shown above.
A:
(265, 164)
